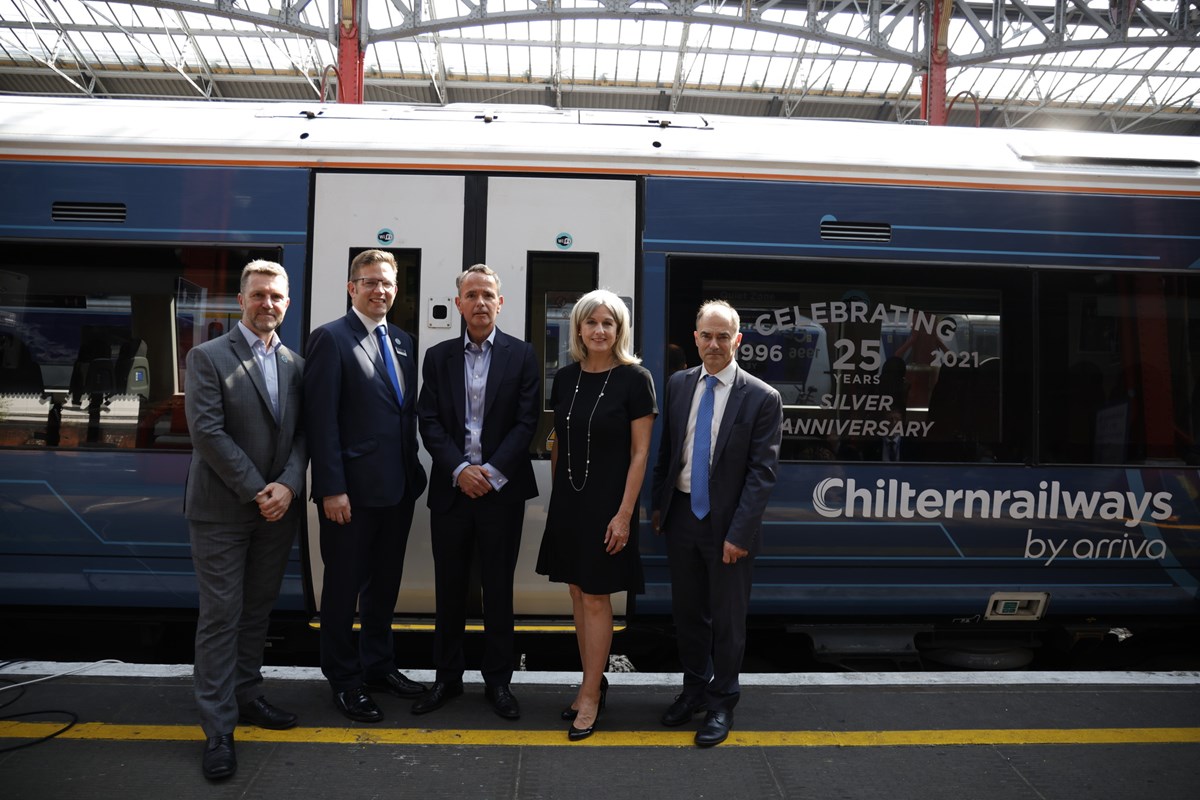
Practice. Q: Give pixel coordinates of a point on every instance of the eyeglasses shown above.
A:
(371, 284)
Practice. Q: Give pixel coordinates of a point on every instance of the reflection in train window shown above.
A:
(1119, 381)
(93, 339)
(556, 281)
(870, 367)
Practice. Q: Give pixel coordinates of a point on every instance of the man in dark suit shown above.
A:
(478, 411)
(716, 467)
(243, 409)
(359, 399)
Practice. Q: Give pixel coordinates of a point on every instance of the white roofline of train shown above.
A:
(581, 142)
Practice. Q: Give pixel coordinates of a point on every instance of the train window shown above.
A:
(556, 281)
(408, 271)
(871, 364)
(1119, 381)
(93, 339)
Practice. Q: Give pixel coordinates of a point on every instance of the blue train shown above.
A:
(987, 341)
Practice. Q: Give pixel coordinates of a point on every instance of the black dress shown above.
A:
(573, 545)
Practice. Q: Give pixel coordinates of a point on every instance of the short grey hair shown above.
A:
(482, 269)
(722, 307)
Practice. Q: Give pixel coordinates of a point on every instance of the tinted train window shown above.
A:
(1119, 379)
(872, 364)
(556, 281)
(93, 339)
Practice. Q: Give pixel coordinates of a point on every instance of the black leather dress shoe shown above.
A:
(261, 713)
(396, 683)
(715, 729)
(357, 705)
(682, 710)
(437, 696)
(219, 761)
(503, 701)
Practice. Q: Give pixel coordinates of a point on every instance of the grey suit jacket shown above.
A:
(237, 445)
(745, 457)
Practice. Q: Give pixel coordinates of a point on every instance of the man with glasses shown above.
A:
(360, 393)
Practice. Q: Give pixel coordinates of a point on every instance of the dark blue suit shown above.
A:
(363, 444)
(709, 598)
(490, 524)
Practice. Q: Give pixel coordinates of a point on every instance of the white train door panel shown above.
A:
(420, 219)
(533, 225)
(538, 229)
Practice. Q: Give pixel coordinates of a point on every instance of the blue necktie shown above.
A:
(385, 351)
(701, 447)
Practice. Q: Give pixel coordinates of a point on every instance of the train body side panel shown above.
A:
(100, 523)
(863, 540)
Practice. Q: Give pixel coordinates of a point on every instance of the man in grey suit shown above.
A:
(242, 400)
(716, 467)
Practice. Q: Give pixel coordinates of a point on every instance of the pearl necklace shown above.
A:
(587, 462)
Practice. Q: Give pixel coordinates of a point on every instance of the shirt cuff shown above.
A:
(497, 478)
(461, 467)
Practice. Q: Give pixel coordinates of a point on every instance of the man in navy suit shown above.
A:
(716, 467)
(360, 390)
(478, 411)
(243, 411)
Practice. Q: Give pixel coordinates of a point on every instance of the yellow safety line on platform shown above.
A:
(102, 731)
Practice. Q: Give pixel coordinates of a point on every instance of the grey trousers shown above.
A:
(239, 569)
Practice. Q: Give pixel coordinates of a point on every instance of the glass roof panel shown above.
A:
(634, 51)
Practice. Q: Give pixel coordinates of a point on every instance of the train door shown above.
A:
(553, 240)
(550, 239)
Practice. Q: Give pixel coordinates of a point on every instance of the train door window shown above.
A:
(408, 273)
(872, 363)
(1118, 375)
(556, 281)
(94, 339)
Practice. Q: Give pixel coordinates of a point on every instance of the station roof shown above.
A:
(1112, 65)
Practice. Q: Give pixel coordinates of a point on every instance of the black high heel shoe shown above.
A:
(569, 714)
(576, 734)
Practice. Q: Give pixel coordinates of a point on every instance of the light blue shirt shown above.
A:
(476, 364)
(264, 356)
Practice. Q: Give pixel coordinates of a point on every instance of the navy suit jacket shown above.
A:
(510, 416)
(361, 441)
(745, 458)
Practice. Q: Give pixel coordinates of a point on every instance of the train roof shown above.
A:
(538, 139)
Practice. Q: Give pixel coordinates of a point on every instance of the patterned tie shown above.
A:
(701, 445)
(388, 363)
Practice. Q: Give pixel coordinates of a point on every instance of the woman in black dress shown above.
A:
(604, 410)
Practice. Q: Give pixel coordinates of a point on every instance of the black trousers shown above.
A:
(709, 602)
(364, 560)
(488, 528)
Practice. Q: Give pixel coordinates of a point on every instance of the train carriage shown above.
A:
(984, 338)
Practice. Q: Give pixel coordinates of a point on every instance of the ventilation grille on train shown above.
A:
(856, 231)
(64, 211)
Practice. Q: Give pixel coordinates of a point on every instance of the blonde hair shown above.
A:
(622, 348)
(261, 267)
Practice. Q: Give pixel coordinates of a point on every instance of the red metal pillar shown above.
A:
(350, 55)
(933, 95)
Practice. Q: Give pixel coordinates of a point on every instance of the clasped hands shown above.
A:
(474, 481)
(273, 500)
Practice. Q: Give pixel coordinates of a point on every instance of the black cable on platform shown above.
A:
(21, 686)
